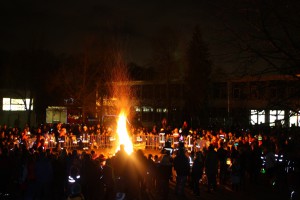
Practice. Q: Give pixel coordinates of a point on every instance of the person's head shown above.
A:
(108, 162)
(165, 160)
(58, 125)
(211, 147)
(74, 171)
(63, 153)
(63, 131)
(85, 128)
(198, 154)
(74, 153)
(181, 151)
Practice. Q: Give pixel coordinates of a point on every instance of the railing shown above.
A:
(142, 141)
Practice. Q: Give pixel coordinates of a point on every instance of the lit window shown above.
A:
(16, 104)
(137, 109)
(6, 104)
(253, 116)
(294, 118)
(276, 115)
(257, 117)
(147, 109)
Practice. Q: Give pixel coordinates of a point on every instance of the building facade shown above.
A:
(150, 101)
(17, 108)
(257, 100)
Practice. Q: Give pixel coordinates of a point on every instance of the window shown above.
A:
(238, 90)
(276, 115)
(136, 89)
(175, 91)
(254, 92)
(236, 93)
(220, 90)
(161, 110)
(16, 104)
(147, 92)
(294, 118)
(137, 109)
(160, 91)
(276, 89)
(257, 117)
(147, 109)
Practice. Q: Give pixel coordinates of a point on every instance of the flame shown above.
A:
(123, 137)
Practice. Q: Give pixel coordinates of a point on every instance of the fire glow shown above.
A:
(122, 135)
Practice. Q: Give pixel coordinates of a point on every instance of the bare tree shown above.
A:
(77, 80)
(262, 37)
(264, 34)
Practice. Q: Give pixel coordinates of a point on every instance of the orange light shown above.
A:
(123, 136)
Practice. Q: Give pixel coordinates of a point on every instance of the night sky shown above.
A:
(64, 26)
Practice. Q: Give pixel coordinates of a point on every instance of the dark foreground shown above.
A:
(248, 191)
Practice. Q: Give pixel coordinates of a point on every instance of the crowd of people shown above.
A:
(215, 158)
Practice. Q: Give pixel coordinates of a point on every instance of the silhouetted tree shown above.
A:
(264, 35)
(76, 81)
(198, 74)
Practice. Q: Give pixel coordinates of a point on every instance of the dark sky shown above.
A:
(63, 25)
